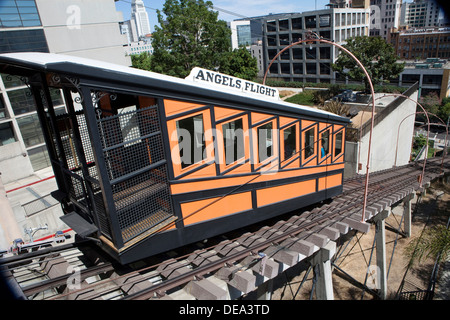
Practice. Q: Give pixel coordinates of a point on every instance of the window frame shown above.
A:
(178, 169)
(335, 134)
(258, 163)
(296, 154)
(305, 158)
(221, 144)
(329, 151)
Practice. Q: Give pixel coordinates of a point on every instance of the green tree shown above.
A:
(375, 54)
(239, 63)
(141, 61)
(189, 35)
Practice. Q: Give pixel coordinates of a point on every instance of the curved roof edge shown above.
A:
(95, 69)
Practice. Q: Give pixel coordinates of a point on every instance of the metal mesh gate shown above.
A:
(134, 160)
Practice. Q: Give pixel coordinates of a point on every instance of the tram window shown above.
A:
(191, 140)
(325, 144)
(338, 144)
(309, 143)
(233, 140)
(265, 142)
(290, 142)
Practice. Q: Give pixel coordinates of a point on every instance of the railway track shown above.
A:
(225, 267)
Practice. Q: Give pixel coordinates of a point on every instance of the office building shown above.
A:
(384, 15)
(421, 43)
(311, 62)
(139, 18)
(88, 29)
(432, 74)
(423, 13)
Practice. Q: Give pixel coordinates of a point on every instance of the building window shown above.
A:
(290, 142)
(274, 68)
(39, 158)
(18, 13)
(283, 25)
(325, 68)
(296, 23)
(243, 35)
(265, 150)
(271, 40)
(298, 68)
(310, 22)
(233, 141)
(11, 81)
(325, 52)
(284, 39)
(23, 41)
(311, 53)
(3, 111)
(311, 68)
(6, 134)
(286, 68)
(271, 26)
(324, 20)
(31, 130)
(22, 101)
(191, 140)
(297, 53)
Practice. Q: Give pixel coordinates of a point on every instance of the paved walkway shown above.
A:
(14, 195)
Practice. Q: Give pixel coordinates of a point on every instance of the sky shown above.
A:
(230, 10)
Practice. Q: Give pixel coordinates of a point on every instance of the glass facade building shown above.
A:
(21, 31)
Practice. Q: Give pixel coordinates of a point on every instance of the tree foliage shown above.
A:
(141, 61)
(189, 35)
(375, 54)
(239, 63)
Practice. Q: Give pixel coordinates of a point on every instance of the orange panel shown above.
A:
(281, 193)
(284, 121)
(213, 208)
(306, 123)
(330, 181)
(180, 188)
(173, 107)
(323, 125)
(245, 168)
(293, 165)
(208, 171)
(222, 113)
(258, 117)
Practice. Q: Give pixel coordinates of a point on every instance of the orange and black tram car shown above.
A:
(145, 162)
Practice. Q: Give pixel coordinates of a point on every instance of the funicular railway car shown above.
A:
(146, 162)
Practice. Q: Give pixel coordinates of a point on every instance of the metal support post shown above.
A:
(381, 251)
(407, 213)
(264, 291)
(322, 260)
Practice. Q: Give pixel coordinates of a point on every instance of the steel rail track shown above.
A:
(346, 205)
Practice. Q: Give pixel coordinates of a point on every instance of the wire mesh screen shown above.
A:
(133, 153)
(131, 141)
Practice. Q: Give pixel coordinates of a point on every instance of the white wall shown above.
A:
(84, 28)
(13, 164)
(384, 139)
